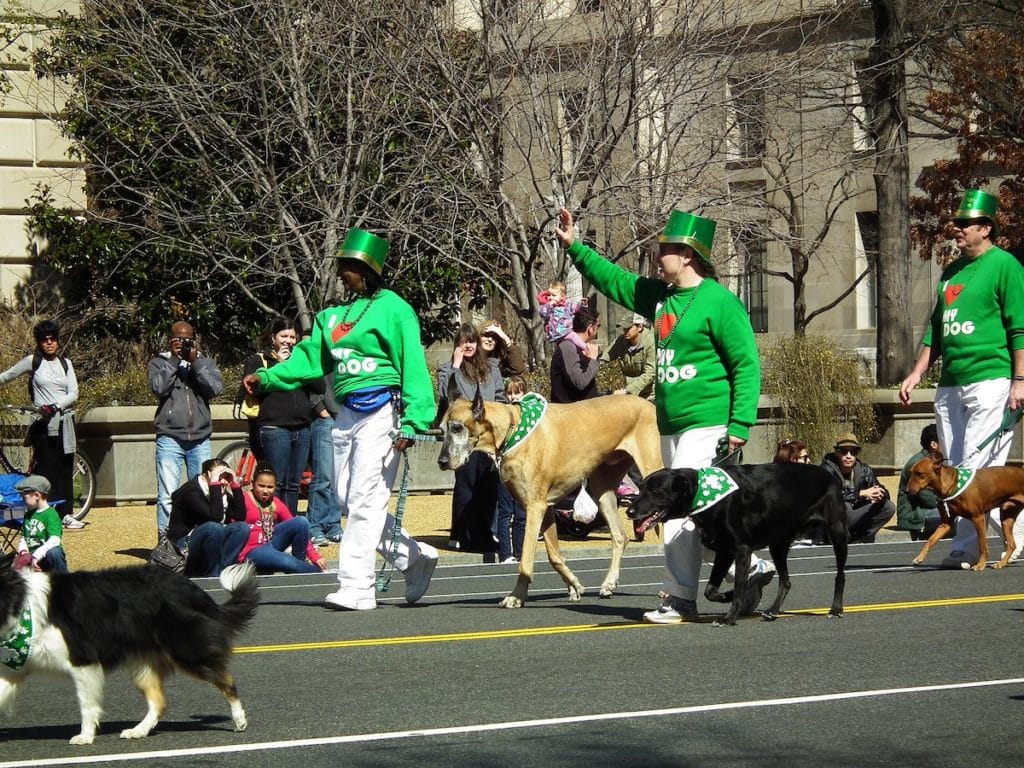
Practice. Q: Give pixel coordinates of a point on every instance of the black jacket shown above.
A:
(190, 507)
(573, 374)
(862, 477)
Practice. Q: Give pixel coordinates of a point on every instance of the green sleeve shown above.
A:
(635, 293)
(743, 364)
(305, 366)
(417, 387)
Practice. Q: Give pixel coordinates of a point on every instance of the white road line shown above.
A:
(462, 730)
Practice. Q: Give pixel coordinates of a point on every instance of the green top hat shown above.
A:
(692, 230)
(977, 204)
(365, 247)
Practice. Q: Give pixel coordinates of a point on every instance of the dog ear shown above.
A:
(478, 405)
(684, 482)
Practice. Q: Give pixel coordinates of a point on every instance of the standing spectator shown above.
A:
(475, 495)
(918, 513)
(207, 522)
(634, 352)
(574, 362)
(708, 378)
(273, 530)
(285, 416)
(41, 529)
(53, 389)
(868, 507)
(557, 311)
(371, 342)
(497, 344)
(184, 381)
(977, 328)
(323, 510)
(510, 521)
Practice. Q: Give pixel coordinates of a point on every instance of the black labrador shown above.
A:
(771, 506)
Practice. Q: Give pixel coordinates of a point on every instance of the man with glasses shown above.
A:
(184, 381)
(868, 506)
(977, 328)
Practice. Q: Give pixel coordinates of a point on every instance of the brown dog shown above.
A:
(594, 440)
(991, 487)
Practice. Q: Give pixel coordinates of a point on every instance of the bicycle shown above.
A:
(15, 458)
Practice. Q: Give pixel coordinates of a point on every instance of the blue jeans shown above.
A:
(272, 557)
(212, 547)
(170, 453)
(324, 510)
(54, 561)
(288, 452)
(510, 525)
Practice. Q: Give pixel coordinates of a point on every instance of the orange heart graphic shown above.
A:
(952, 293)
(665, 325)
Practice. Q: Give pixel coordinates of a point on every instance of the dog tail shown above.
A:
(240, 582)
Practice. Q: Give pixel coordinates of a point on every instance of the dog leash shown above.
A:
(387, 569)
(1010, 418)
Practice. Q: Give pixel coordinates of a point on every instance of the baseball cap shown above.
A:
(634, 320)
(36, 483)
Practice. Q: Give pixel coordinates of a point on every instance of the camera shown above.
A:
(187, 345)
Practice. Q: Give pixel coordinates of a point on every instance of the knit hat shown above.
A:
(365, 247)
(692, 230)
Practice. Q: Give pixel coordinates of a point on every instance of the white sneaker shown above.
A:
(958, 560)
(673, 610)
(347, 600)
(509, 560)
(417, 576)
(72, 523)
(453, 544)
(757, 580)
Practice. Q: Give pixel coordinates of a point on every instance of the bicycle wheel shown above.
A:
(14, 457)
(83, 483)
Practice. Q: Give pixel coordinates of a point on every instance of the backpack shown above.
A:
(37, 360)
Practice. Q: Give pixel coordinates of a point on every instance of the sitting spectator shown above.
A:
(273, 530)
(475, 496)
(633, 350)
(791, 451)
(207, 522)
(41, 530)
(868, 507)
(510, 521)
(918, 513)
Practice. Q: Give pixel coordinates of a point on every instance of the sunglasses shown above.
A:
(847, 451)
(968, 223)
(47, 338)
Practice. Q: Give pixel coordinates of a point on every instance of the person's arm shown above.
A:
(308, 362)
(411, 363)
(735, 339)
(923, 362)
(71, 396)
(235, 511)
(20, 368)
(205, 378)
(162, 372)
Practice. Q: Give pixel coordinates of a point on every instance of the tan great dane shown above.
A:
(594, 440)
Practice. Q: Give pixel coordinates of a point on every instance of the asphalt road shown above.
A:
(924, 669)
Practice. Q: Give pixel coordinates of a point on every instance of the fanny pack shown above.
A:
(368, 400)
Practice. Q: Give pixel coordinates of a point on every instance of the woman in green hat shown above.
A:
(371, 345)
(708, 377)
(977, 328)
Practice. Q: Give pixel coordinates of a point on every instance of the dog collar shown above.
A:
(964, 476)
(713, 485)
(16, 648)
(531, 408)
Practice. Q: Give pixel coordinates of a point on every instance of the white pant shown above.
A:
(965, 417)
(365, 466)
(694, 449)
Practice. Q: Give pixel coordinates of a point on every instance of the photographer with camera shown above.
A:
(184, 381)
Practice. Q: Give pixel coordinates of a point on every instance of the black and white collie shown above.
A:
(148, 619)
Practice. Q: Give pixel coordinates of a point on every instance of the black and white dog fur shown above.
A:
(772, 506)
(148, 619)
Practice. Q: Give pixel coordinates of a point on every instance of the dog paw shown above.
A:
(575, 593)
(241, 724)
(979, 567)
(769, 616)
(917, 561)
(135, 733)
(607, 590)
(511, 602)
(835, 615)
(82, 739)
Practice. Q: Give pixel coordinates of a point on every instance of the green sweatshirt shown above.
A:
(978, 318)
(708, 370)
(382, 349)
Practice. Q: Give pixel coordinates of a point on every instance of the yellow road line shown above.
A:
(458, 637)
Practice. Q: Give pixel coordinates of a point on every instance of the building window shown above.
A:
(867, 257)
(579, 120)
(752, 252)
(747, 136)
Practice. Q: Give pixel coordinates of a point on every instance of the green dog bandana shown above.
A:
(16, 648)
(713, 485)
(964, 476)
(532, 408)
